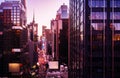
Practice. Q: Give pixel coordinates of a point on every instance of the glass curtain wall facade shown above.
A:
(94, 39)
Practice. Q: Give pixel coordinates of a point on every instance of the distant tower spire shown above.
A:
(33, 16)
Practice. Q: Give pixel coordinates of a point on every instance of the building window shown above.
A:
(81, 27)
(98, 15)
(98, 26)
(97, 3)
(116, 37)
(115, 15)
(81, 37)
(81, 7)
(117, 26)
(114, 3)
(81, 17)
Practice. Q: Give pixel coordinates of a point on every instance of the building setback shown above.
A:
(94, 39)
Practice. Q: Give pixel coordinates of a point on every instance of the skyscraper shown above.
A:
(94, 39)
(59, 28)
(13, 34)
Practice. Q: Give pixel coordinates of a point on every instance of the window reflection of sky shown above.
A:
(98, 26)
(103, 15)
(98, 15)
(103, 3)
(115, 15)
(116, 26)
(97, 3)
(115, 3)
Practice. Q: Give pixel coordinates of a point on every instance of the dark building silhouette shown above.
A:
(63, 45)
(94, 39)
(59, 28)
(1, 41)
(13, 34)
(48, 35)
(33, 42)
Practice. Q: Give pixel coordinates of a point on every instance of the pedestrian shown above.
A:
(47, 66)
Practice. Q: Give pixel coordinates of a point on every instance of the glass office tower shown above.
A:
(94, 39)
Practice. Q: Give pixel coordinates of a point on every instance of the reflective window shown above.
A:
(18, 10)
(18, 19)
(11, 18)
(81, 17)
(81, 37)
(116, 37)
(81, 7)
(115, 15)
(14, 7)
(97, 3)
(115, 3)
(78, 21)
(18, 14)
(98, 26)
(117, 26)
(64, 13)
(98, 15)
(14, 22)
(18, 22)
(78, 5)
(81, 27)
(18, 7)
(14, 11)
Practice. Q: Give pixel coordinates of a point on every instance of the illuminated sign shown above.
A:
(17, 27)
(16, 50)
(1, 33)
(14, 67)
(53, 65)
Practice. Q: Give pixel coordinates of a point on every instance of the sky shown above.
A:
(44, 10)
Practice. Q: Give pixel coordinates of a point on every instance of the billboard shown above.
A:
(53, 65)
(14, 67)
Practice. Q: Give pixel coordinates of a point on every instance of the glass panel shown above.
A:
(18, 16)
(81, 27)
(98, 26)
(14, 22)
(78, 21)
(98, 15)
(15, 11)
(116, 37)
(117, 26)
(18, 19)
(18, 13)
(97, 3)
(14, 8)
(81, 17)
(18, 22)
(18, 10)
(115, 15)
(115, 3)
(81, 7)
